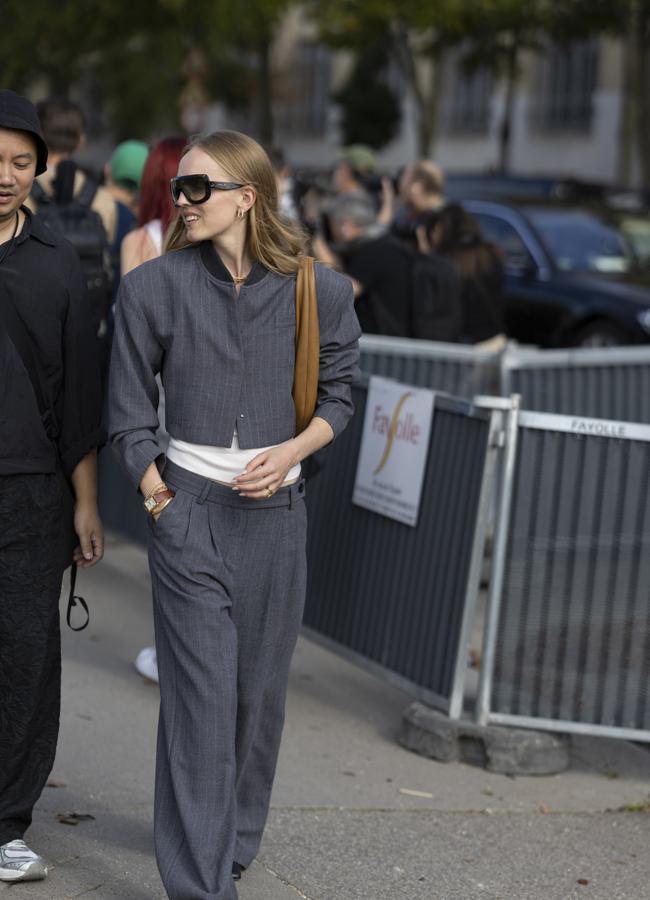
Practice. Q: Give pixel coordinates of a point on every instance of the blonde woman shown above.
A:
(216, 318)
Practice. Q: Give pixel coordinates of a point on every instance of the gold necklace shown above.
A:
(239, 279)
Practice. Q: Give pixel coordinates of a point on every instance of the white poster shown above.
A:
(394, 446)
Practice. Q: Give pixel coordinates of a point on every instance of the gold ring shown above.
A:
(269, 492)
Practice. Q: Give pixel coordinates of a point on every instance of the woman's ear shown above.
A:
(248, 197)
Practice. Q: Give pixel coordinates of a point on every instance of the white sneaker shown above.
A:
(147, 664)
(19, 863)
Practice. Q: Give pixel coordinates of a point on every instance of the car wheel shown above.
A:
(601, 333)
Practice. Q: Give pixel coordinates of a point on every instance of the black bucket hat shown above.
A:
(20, 114)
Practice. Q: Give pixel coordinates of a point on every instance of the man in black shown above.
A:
(398, 292)
(49, 431)
(380, 268)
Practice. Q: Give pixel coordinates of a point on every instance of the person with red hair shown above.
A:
(156, 208)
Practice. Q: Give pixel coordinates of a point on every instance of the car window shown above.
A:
(637, 231)
(515, 252)
(579, 240)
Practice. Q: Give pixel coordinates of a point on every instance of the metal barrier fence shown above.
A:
(567, 642)
(400, 600)
(607, 383)
(453, 368)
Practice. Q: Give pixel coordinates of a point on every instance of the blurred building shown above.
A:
(567, 115)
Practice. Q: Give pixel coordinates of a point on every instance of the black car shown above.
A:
(572, 278)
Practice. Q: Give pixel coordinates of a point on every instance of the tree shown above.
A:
(135, 53)
(371, 110)
(629, 20)
(236, 41)
(417, 35)
(496, 33)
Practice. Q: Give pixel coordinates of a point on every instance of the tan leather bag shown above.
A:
(305, 379)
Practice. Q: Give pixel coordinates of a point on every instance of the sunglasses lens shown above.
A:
(195, 188)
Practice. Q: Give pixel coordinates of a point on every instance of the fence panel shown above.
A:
(606, 383)
(568, 628)
(396, 598)
(453, 368)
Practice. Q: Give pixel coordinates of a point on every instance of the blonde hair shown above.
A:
(276, 243)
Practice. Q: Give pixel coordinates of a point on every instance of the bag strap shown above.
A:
(73, 599)
(38, 194)
(87, 193)
(305, 380)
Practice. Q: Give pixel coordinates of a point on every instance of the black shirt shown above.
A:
(384, 269)
(41, 275)
(483, 303)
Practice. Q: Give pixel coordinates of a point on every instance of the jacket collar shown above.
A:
(212, 262)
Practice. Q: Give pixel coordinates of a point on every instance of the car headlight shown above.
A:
(644, 320)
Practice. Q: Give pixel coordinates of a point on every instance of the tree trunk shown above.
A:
(426, 102)
(428, 124)
(505, 131)
(265, 107)
(629, 112)
(642, 91)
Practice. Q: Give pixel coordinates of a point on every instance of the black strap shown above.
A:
(73, 599)
(38, 194)
(87, 193)
(85, 196)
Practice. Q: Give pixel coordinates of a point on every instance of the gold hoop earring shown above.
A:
(240, 213)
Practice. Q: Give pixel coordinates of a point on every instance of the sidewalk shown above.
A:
(354, 816)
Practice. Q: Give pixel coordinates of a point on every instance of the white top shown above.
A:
(154, 230)
(218, 463)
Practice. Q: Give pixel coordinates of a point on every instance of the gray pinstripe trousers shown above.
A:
(229, 579)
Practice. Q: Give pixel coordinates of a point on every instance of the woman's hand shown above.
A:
(267, 471)
(90, 532)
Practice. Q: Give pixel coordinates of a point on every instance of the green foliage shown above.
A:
(134, 53)
(371, 110)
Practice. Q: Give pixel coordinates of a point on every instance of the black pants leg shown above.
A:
(31, 531)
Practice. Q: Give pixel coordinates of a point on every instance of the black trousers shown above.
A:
(30, 642)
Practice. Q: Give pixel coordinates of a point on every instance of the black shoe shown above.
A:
(237, 869)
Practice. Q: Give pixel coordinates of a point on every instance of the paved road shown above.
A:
(354, 817)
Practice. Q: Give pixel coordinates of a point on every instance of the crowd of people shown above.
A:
(174, 332)
(420, 267)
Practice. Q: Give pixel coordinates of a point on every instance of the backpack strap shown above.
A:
(38, 194)
(87, 193)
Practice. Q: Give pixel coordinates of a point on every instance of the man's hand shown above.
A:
(90, 532)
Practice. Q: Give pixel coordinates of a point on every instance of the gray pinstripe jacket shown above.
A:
(224, 360)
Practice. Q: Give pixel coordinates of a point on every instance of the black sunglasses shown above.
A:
(198, 188)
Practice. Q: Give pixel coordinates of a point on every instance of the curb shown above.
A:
(507, 751)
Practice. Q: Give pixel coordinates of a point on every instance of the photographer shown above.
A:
(356, 175)
(421, 191)
(380, 268)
